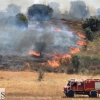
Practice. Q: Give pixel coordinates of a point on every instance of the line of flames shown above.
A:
(33, 53)
(57, 56)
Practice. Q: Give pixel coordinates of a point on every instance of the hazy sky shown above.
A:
(64, 4)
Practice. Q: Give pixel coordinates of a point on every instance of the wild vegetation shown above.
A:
(87, 61)
(21, 20)
(39, 12)
(90, 26)
(28, 77)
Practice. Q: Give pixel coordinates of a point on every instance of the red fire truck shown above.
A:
(90, 87)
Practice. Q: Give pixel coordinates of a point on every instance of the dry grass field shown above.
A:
(24, 85)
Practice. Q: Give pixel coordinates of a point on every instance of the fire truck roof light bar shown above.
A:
(76, 80)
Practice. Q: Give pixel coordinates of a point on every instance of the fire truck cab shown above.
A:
(90, 87)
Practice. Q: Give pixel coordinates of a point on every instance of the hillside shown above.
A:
(89, 56)
(93, 47)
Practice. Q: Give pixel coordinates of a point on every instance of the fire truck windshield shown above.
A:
(71, 83)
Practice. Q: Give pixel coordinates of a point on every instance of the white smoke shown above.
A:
(36, 1)
(64, 4)
(17, 41)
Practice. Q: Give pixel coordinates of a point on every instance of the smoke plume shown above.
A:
(78, 10)
(13, 9)
(44, 39)
(40, 36)
(56, 10)
(98, 12)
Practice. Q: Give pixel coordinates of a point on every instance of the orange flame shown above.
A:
(81, 35)
(81, 43)
(62, 57)
(57, 57)
(66, 56)
(34, 53)
(53, 63)
(74, 50)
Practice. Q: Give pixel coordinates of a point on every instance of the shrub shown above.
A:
(21, 20)
(76, 62)
(89, 34)
(93, 23)
(95, 61)
(85, 61)
(41, 74)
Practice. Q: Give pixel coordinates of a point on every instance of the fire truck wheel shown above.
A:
(93, 94)
(70, 93)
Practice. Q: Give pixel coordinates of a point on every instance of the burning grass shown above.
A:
(34, 53)
(55, 56)
(27, 84)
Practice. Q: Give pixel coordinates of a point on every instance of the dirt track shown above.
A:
(23, 85)
(51, 98)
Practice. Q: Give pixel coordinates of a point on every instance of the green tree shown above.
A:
(21, 20)
(93, 23)
(39, 12)
(89, 34)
